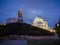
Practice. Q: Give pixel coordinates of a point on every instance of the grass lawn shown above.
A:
(43, 42)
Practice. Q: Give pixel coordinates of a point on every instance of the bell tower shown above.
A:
(20, 18)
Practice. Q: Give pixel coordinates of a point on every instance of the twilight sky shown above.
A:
(48, 9)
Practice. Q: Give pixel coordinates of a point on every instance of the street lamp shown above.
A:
(57, 24)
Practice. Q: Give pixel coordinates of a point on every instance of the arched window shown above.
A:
(39, 22)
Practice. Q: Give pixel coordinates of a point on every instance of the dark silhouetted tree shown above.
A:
(57, 28)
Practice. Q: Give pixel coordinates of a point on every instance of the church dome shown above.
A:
(40, 17)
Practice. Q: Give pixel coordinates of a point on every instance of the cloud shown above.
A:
(35, 12)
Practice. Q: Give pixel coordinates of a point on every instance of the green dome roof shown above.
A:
(39, 17)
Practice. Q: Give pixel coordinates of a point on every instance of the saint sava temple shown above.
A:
(38, 24)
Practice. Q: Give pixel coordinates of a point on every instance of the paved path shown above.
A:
(14, 42)
(56, 36)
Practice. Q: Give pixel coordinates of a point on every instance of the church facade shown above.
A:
(40, 22)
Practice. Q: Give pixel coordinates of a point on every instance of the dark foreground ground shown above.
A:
(29, 42)
(13, 42)
(44, 42)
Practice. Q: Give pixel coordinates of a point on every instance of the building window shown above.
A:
(39, 22)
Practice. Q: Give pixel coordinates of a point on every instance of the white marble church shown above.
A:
(41, 23)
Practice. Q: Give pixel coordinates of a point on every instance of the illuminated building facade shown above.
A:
(40, 22)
